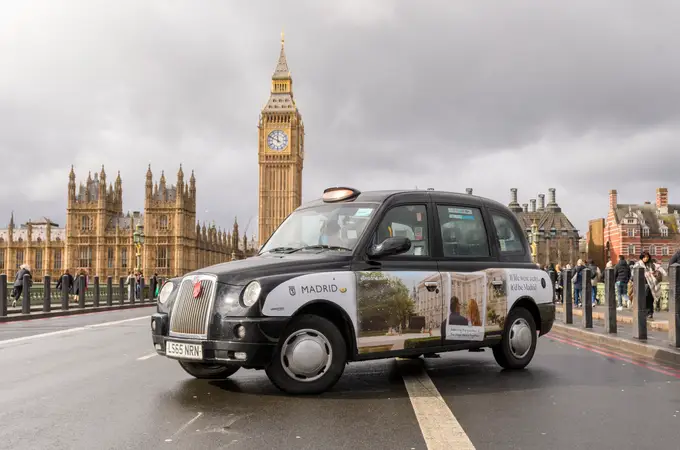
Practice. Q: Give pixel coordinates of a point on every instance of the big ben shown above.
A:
(281, 136)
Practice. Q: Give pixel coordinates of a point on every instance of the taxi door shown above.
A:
(400, 297)
(466, 262)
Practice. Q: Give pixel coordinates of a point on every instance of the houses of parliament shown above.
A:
(99, 236)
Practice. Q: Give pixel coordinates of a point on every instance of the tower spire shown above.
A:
(282, 72)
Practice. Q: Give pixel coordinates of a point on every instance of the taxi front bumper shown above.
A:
(255, 349)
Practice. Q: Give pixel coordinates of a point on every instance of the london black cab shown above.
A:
(356, 276)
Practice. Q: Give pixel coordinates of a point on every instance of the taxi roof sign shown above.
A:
(338, 194)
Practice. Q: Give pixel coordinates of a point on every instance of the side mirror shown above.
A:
(390, 246)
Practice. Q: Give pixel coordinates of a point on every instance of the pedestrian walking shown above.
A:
(577, 280)
(654, 273)
(18, 287)
(622, 277)
(68, 275)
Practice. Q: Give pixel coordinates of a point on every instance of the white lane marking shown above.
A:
(150, 355)
(184, 427)
(69, 330)
(439, 426)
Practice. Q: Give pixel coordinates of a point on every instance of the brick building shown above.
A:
(630, 228)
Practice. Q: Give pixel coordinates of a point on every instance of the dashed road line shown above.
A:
(70, 330)
(439, 426)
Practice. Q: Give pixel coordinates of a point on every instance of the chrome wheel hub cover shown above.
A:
(306, 355)
(520, 338)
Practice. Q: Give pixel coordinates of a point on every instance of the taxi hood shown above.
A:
(241, 272)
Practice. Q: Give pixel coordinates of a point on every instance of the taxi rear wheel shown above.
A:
(517, 348)
(310, 357)
(204, 371)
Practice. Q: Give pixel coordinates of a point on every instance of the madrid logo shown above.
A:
(291, 290)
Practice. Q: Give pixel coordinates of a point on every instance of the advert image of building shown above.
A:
(468, 288)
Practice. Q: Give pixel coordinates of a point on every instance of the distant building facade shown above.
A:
(555, 237)
(98, 236)
(632, 228)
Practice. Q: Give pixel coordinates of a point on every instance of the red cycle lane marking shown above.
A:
(666, 371)
(622, 355)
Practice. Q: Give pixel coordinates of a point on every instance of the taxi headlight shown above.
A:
(164, 295)
(251, 293)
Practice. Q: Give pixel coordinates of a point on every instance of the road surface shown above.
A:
(86, 382)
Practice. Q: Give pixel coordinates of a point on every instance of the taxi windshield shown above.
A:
(332, 226)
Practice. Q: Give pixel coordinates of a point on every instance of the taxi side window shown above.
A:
(463, 231)
(507, 233)
(409, 221)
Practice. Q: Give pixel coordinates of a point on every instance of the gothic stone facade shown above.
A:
(281, 135)
(631, 229)
(556, 238)
(99, 237)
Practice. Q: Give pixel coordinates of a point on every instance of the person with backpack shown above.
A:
(577, 280)
(622, 277)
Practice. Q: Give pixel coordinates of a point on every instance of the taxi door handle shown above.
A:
(497, 283)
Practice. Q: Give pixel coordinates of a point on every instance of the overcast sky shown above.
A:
(582, 96)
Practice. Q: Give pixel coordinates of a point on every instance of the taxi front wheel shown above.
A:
(517, 348)
(204, 371)
(310, 358)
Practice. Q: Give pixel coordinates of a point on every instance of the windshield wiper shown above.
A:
(281, 249)
(321, 247)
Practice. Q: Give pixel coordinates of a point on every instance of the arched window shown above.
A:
(85, 223)
(163, 222)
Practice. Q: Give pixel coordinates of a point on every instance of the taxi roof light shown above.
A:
(338, 194)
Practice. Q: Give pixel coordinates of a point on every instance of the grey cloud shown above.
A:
(582, 97)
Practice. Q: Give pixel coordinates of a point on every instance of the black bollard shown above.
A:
(639, 305)
(152, 290)
(674, 305)
(26, 301)
(65, 288)
(121, 290)
(553, 278)
(587, 298)
(81, 291)
(109, 291)
(132, 289)
(47, 291)
(141, 289)
(610, 300)
(3, 295)
(97, 293)
(567, 297)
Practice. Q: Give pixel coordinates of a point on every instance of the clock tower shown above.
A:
(281, 136)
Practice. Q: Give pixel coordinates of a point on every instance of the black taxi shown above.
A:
(356, 276)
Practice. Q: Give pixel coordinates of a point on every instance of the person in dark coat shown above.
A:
(68, 275)
(622, 277)
(18, 287)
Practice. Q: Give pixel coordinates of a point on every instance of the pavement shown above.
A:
(94, 381)
(659, 322)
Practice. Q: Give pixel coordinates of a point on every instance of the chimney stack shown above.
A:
(532, 205)
(541, 202)
(612, 199)
(525, 207)
(513, 196)
(551, 197)
(468, 191)
(661, 197)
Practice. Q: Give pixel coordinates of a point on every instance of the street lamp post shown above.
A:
(138, 239)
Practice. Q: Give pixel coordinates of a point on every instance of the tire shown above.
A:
(519, 323)
(323, 341)
(204, 371)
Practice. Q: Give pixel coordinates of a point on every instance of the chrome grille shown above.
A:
(191, 316)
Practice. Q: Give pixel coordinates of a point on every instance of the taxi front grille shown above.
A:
(190, 316)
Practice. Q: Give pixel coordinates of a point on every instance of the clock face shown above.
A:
(277, 140)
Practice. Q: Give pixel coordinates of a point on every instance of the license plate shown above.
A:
(183, 350)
